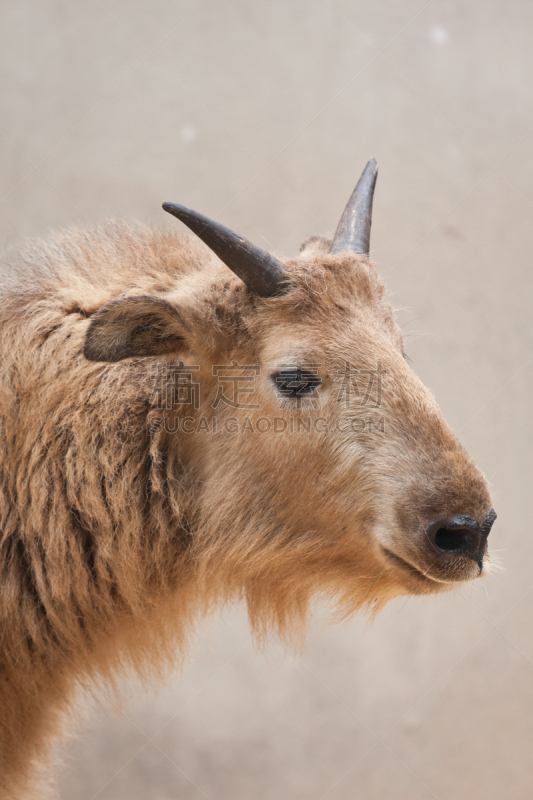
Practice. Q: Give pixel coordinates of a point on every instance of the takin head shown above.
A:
(323, 463)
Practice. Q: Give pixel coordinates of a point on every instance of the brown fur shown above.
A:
(116, 534)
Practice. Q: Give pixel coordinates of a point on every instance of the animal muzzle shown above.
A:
(448, 550)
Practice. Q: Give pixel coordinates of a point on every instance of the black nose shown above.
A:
(462, 535)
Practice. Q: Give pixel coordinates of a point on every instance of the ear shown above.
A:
(314, 247)
(133, 327)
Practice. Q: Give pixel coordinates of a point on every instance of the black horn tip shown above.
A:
(177, 210)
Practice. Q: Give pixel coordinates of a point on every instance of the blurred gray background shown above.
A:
(262, 115)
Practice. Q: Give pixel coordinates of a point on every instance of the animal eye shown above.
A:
(296, 382)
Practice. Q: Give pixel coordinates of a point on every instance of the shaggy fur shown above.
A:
(116, 534)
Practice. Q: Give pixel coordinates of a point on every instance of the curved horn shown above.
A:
(261, 272)
(353, 230)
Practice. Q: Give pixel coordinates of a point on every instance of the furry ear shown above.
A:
(314, 247)
(132, 327)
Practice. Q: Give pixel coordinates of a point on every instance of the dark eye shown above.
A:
(296, 382)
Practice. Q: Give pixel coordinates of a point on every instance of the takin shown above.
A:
(187, 421)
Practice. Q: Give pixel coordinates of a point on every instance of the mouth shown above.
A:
(411, 570)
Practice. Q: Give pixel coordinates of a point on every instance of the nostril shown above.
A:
(459, 535)
(453, 541)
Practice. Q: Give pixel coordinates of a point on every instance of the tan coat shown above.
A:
(119, 526)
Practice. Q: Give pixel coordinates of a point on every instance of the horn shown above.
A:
(262, 273)
(353, 230)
